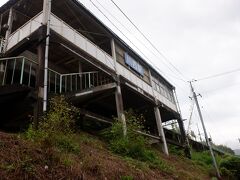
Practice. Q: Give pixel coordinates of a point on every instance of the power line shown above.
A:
(120, 32)
(154, 47)
(220, 88)
(219, 74)
(129, 39)
(142, 43)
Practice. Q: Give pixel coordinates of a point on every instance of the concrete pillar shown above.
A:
(9, 27)
(184, 140)
(45, 12)
(118, 92)
(120, 109)
(160, 129)
(38, 109)
(114, 54)
(182, 130)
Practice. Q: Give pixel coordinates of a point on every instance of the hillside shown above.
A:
(237, 152)
(22, 159)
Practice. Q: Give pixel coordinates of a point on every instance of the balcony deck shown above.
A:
(84, 44)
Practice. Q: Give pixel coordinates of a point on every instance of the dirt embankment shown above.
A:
(21, 159)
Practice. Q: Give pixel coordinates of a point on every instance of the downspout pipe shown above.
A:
(46, 56)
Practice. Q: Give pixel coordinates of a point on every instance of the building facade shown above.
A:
(59, 47)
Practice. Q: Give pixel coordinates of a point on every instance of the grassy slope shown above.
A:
(21, 159)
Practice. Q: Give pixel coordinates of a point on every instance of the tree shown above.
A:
(225, 149)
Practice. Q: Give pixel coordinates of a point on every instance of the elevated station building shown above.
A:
(84, 60)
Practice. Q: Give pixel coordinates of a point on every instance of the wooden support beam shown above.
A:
(160, 129)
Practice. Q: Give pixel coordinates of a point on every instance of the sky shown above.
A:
(200, 38)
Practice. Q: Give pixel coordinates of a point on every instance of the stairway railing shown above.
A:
(21, 70)
(18, 70)
(72, 82)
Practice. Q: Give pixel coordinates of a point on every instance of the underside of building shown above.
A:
(87, 62)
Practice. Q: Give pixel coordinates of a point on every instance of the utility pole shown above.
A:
(204, 129)
(199, 135)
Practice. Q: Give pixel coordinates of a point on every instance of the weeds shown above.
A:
(230, 167)
(126, 178)
(56, 128)
(133, 145)
(67, 144)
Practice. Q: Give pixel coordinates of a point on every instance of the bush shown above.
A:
(133, 145)
(60, 117)
(56, 127)
(230, 166)
(204, 159)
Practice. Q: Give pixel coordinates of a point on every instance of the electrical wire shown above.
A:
(142, 43)
(147, 39)
(131, 41)
(219, 74)
(102, 34)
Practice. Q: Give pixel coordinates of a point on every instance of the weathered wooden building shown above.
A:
(59, 47)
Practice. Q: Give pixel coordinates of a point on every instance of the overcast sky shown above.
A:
(201, 38)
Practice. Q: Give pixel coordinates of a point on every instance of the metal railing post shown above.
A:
(60, 90)
(89, 80)
(13, 72)
(22, 71)
(55, 83)
(5, 71)
(71, 83)
(65, 83)
(76, 82)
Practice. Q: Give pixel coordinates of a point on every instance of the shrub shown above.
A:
(230, 166)
(60, 117)
(133, 145)
(56, 127)
(202, 158)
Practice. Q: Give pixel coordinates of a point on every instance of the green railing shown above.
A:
(21, 70)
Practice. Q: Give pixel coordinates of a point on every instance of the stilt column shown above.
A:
(160, 129)
(118, 92)
(120, 109)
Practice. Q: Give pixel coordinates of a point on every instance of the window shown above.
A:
(163, 89)
(133, 64)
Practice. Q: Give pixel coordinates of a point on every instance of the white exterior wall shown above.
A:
(24, 31)
(81, 41)
(86, 45)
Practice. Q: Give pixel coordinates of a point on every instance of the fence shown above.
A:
(21, 70)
